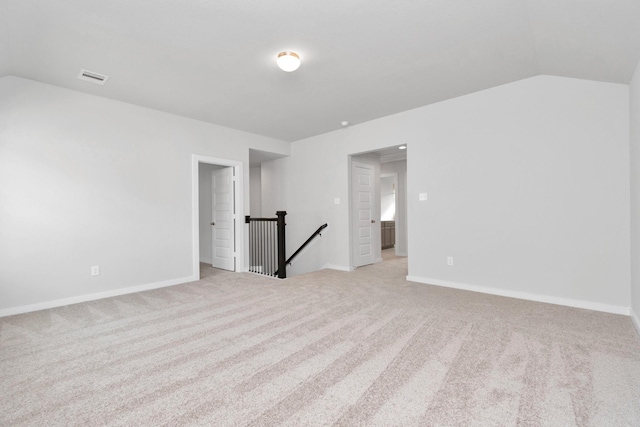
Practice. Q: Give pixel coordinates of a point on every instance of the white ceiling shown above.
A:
(214, 60)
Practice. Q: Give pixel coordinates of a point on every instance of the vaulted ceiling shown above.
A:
(214, 60)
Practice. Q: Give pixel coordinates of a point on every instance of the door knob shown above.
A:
(373, 221)
(213, 223)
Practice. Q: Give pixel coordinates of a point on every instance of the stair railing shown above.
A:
(267, 239)
(318, 232)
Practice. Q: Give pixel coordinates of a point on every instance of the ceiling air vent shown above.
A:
(90, 76)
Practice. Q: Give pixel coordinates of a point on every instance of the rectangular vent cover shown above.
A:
(90, 76)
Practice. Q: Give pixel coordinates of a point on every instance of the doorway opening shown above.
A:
(218, 237)
(378, 206)
(388, 213)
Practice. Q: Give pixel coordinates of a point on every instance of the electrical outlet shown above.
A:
(95, 270)
(449, 260)
(422, 197)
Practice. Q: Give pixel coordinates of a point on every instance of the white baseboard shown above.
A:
(615, 309)
(92, 297)
(206, 260)
(338, 267)
(401, 254)
(635, 320)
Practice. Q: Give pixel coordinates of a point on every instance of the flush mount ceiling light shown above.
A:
(402, 147)
(288, 61)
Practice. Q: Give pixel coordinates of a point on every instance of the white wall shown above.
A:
(634, 104)
(255, 186)
(400, 168)
(89, 181)
(528, 189)
(309, 185)
(5, 45)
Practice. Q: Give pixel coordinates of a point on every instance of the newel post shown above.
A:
(282, 254)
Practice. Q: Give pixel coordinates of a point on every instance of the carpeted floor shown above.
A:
(327, 348)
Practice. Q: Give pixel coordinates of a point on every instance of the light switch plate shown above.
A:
(336, 201)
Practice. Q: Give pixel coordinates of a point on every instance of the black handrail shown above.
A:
(315, 233)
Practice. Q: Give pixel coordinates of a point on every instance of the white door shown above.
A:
(362, 208)
(223, 219)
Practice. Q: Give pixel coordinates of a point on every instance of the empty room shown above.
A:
(357, 213)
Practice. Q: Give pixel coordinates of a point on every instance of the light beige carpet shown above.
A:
(328, 348)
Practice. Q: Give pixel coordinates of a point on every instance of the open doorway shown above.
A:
(378, 230)
(217, 210)
(388, 213)
(393, 163)
(217, 207)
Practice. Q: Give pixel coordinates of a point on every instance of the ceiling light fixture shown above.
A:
(344, 123)
(402, 147)
(288, 61)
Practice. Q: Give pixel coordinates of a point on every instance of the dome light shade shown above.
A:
(288, 61)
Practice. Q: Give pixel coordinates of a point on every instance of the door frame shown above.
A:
(400, 200)
(196, 159)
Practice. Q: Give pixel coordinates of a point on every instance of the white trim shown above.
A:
(92, 297)
(195, 209)
(607, 308)
(206, 260)
(337, 267)
(635, 320)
